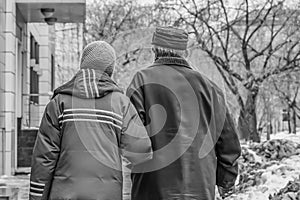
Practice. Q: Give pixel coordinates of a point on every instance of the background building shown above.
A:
(27, 72)
(68, 46)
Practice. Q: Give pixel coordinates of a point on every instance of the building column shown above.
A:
(45, 67)
(9, 74)
(2, 83)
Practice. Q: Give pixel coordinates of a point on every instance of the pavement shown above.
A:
(18, 186)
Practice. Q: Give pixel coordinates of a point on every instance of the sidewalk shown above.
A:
(20, 182)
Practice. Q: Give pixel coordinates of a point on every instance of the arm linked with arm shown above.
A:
(135, 93)
(135, 118)
(135, 143)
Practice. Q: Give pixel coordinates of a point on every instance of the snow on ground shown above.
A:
(276, 176)
(287, 136)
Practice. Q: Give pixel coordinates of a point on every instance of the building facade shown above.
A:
(27, 71)
(68, 46)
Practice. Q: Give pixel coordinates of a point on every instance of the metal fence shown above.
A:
(32, 109)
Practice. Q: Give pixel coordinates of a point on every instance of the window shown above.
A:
(32, 47)
(34, 78)
(37, 53)
(34, 85)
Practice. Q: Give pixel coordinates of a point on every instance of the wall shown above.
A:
(8, 136)
(15, 79)
(26, 140)
(2, 65)
(43, 35)
(15, 84)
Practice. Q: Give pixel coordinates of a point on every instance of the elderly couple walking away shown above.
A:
(172, 126)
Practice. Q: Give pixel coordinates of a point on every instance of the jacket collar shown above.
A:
(172, 61)
(88, 84)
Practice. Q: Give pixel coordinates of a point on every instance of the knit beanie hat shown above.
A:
(99, 55)
(170, 38)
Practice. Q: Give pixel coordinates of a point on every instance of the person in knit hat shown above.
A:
(99, 55)
(194, 140)
(86, 127)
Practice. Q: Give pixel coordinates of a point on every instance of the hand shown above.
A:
(226, 192)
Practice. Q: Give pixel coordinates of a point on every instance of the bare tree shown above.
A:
(288, 88)
(126, 25)
(248, 42)
(106, 19)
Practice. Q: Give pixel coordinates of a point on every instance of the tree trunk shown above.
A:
(268, 134)
(289, 121)
(269, 126)
(247, 120)
(269, 130)
(294, 122)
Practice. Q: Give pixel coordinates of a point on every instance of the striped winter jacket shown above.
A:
(88, 124)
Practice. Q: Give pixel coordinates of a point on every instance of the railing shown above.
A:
(32, 111)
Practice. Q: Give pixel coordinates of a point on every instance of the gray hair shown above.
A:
(165, 52)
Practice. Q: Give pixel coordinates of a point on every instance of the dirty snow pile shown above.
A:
(290, 192)
(276, 149)
(270, 170)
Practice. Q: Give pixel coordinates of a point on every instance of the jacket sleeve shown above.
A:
(45, 153)
(228, 150)
(135, 143)
(135, 93)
